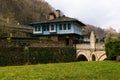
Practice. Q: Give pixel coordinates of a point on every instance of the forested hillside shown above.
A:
(99, 32)
(23, 11)
(26, 11)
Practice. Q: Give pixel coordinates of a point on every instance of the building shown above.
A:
(59, 28)
(15, 35)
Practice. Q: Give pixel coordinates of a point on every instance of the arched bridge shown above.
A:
(84, 53)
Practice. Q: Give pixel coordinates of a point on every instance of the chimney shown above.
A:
(57, 13)
(51, 16)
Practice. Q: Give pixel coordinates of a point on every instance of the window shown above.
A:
(39, 28)
(52, 27)
(69, 26)
(35, 28)
(60, 26)
(64, 26)
(44, 28)
(47, 27)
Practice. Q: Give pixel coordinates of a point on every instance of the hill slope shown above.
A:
(23, 11)
(99, 32)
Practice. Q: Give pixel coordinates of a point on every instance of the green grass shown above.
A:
(105, 70)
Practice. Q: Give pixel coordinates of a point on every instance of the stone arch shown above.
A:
(93, 58)
(102, 57)
(82, 58)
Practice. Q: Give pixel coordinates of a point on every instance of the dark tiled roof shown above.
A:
(61, 19)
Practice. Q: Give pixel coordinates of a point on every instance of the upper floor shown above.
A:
(57, 24)
(57, 28)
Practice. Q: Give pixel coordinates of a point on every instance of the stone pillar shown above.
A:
(92, 41)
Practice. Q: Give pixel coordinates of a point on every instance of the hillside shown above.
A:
(23, 11)
(99, 32)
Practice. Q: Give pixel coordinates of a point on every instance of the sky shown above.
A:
(100, 13)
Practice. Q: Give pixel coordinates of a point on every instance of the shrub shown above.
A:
(52, 55)
(11, 56)
(26, 54)
(112, 48)
(33, 55)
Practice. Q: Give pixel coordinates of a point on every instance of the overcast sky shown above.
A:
(101, 13)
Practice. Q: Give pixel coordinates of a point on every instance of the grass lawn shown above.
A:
(105, 70)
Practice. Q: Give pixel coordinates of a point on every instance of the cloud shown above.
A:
(102, 13)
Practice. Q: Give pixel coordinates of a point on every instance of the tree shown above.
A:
(112, 48)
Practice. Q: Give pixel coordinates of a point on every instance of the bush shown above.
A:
(112, 48)
(52, 55)
(20, 56)
(26, 54)
(11, 56)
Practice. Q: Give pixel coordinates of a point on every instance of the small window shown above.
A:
(44, 28)
(39, 28)
(52, 27)
(69, 26)
(35, 28)
(47, 28)
(60, 26)
(64, 27)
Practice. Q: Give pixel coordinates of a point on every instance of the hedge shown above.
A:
(32, 55)
(112, 48)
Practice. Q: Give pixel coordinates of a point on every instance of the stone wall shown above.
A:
(99, 46)
(31, 43)
(47, 44)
